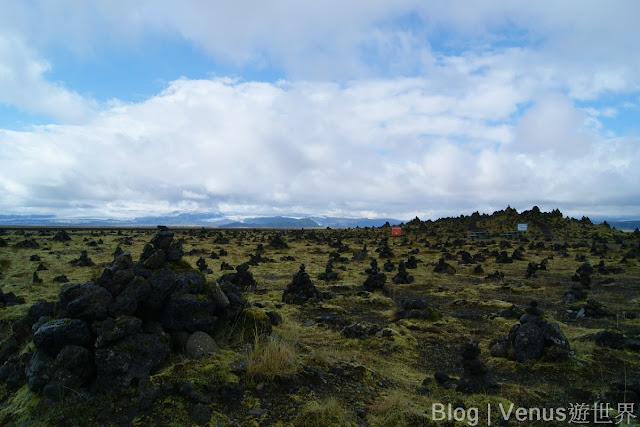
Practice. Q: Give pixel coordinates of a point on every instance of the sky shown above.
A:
(365, 108)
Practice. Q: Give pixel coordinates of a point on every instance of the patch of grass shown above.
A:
(20, 407)
(395, 409)
(324, 413)
(272, 357)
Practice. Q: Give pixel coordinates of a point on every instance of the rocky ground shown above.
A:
(320, 327)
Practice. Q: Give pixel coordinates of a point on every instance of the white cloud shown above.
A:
(262, 148)
(389, 107)
(24, 84)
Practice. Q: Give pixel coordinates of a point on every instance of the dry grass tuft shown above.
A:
(272, 357)
(327, 412)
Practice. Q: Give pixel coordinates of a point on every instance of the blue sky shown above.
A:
(369, 108)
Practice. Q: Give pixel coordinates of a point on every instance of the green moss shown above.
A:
(20, 407)
(252, 322)
(326, 412)
(182, 266)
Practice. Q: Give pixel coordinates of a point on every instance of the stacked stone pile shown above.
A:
(114, 332)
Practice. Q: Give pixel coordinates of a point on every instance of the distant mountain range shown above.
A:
(217, 219)
(198, 219)
(625, 225)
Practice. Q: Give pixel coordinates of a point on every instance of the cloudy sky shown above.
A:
(367, 108)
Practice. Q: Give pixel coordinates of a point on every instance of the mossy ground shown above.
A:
(345, 381)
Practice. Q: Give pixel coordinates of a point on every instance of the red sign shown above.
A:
(396, 231)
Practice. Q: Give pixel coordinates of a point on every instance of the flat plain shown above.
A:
(382, 353)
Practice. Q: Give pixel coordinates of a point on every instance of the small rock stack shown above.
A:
(301, 289)
(375, 279)
(444, 267)
(532, 339)
(402, 277)
(476, 377)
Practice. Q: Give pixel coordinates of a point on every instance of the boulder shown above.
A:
(443, 267)
(130, 360)
(199, 345)
(87, 302)
(58, 333)
(191, 312)
(528, 342)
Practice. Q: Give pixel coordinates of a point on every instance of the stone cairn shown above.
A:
(301, 289)
(375, 279)
(532, 339)
(402, 277)
(114, 332)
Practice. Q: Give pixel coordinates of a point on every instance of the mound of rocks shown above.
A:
(389, 266)
(476, 377)
(83, 260)
(277, 242)
(532, 339)
(61, 236)
(29, 243)
(328, 274)
(361, 330)
(114, 332)
(384, 251)
(242, 278)
(583, 275)
(10, 299)
(301, 289)
(444, 267)
(417, 308)
(402, 277)
(591, 309)
(496, 276)
(375, 279)
(503, 258)
(617, 340)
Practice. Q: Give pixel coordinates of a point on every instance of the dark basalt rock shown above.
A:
(301, 289)
(375, 279)
(30, 243)
(497, 276)
(61, 236)
(388, 266)
(417, 308)
(242, 278)
(83, 260)
(443, 267)
(412, 262)
(476, 377)
(583, 275)
(10, 299)
(503, 258)
(189, 312)
(277, 242)
(111, 335)
(402, 277)
(54, 335)
(87, 302)
(361, 330)
(532, 339)
(328, 275)
(130, 360)
(610, 339)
